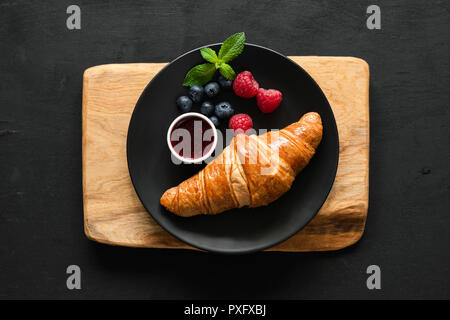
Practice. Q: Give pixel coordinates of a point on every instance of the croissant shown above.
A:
(251, 171)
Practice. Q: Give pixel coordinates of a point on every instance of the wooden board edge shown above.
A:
(84, 103)
(363, 63)
(342, 245)
(366, 68)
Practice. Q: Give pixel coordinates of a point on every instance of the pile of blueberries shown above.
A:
(198, 94)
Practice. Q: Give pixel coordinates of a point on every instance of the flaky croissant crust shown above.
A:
(251, 171)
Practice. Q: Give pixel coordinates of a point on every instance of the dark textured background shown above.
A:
(41, 67)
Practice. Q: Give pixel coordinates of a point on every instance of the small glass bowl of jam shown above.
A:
(192, 137)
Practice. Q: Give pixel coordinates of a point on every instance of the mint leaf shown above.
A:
(203, 73)
(232, 47)
(200, 74)
(227, 71)
(209, 55)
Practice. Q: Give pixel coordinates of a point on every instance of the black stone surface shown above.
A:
(41, 227)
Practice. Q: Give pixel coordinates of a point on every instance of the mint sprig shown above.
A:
(203, 73)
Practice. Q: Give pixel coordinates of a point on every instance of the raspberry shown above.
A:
(268, 100)
(240, 123)
(245, 86)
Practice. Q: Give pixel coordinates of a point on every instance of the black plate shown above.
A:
(239, 230)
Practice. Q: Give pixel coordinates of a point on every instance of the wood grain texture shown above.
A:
(113, 213)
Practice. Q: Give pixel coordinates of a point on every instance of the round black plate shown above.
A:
(239, 230)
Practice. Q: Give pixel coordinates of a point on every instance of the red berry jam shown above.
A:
(192, 137)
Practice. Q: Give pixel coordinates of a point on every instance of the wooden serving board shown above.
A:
(113, 213)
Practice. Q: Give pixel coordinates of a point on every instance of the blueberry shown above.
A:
(196, 93)
(212, 89)
(215, 121)
(184, 104)
(225, 83)
(207, 108)
(224, 110)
